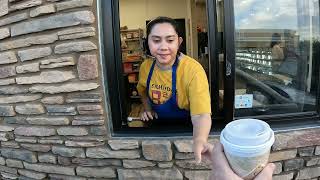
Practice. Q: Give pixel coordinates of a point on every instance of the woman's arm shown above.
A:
(201, 129)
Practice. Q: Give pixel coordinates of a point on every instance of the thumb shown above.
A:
(197, 153)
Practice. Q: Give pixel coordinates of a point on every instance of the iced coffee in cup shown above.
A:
(247, 144)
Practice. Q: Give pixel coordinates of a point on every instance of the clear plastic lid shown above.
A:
(247, 136)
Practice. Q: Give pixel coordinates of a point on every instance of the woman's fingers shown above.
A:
(149, 115)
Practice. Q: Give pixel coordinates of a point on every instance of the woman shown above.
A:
(276, 51)
(173, 85)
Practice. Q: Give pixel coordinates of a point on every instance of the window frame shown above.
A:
(113, 78)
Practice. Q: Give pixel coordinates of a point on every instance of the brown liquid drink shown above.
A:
(247, 144)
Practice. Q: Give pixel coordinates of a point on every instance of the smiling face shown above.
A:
(164, 43)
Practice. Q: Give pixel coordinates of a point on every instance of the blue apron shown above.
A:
(170, 108)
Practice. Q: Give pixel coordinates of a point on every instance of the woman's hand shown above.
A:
(201, 149)
(148, 115)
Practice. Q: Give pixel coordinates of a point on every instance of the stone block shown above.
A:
(9, 56)
(2, 161)
(313, 161)
(9, 170)
(27, 68)
(47, 158)
(15, 120)
(75, 30)
(197, 175)
(4, 8)
(6, 128)
(34, 53)
(13, 18)
(72, 131)
(306, 151)
(9, 144)
(53, 22)
(84, 97)
(32, 174)
(96, 162)
(172, 174)
(283, 155)
(123, 144)
(278, 169)
(137, 164)
(68, 151)
(87, 67)
(65, 161)
(7, 71)
(317, 151)
(23, 155)
(4, 82)
(25, 4)
(165, 164)
(36, 147)
(104, 152)
(35, 131)
(19, 98)
(14, 163)
(4, 136)
(55, 121)
(53, 100)
(293, 164)
(288, 176)
(192, 164)
(91, 109)
(98, 130)
(4, 33)
(64, 177)
(58, 62)
(61, 110)
(83, 143)
(41, 10)
(47, 77)
(7, 110)
(23, 139)
(73, 4)
(77, 46)
(184, 146)
(13, 89)
(87, 123)
(157, 150)
(308, 173)
(100, 172)
(64, 88)
(46, 168)
(30, 109)
(51, 140)
(77, 35)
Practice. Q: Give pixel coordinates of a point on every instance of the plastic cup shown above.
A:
(247, 144)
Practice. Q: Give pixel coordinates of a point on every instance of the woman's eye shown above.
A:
(156, 40)
(170, 40)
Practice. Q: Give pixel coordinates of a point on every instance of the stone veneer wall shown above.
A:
(52, 118)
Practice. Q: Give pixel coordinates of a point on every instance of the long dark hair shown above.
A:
(160, 20)
(276, 38)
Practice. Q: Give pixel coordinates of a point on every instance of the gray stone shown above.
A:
(78, 46)
(77, 35)
(53, 100)
(192, 164)
(157, 150)
(4, 82)
(68, 152)
(98, 130)
(91, 109)
(100, 172)
(13, 19)
(317, 151)
(46, 168)
(123, 144)
(2, 161)
(14, 163)
(48, 120)
(34, 131)
(61, 110)
(60, 177)
(6, 128)
(165, 164)
(313, 161)
(7, 71)
(282, 155)
(36, 147)
(13, 90)
(83, 97)
(59, 62)
(87, 67)
(76, 30)
(65, 161)
(23, 155)
(306, 151)
(51, 140)
(278, 169)
(32, 174)
(6, 110)
(67, 87)
(137, 163)
(4, 136)
(293, 164)
(9, 144)
(47, 158)
(15, 120)
(4, 32)
(72, 131)
(83, 144)
(11, 171)
(96, 162)
(309, 173)
(197, 175)
(19, 98)
(30, 54)
(184, 146)
(23, 139)
(29, 41)
(73, 4)
(7, 57)
(26, 68)
(87, 138)
(25, 4)
(46, 9)
(53, 22)
(88, 118)
(4, 8)
(30, 109)
(87, 123)
(288, 176)
(172, 174)
(105, 152)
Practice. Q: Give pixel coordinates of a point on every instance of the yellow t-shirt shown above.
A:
(192, 85)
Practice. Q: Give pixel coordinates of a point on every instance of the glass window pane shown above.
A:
(277, 48)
